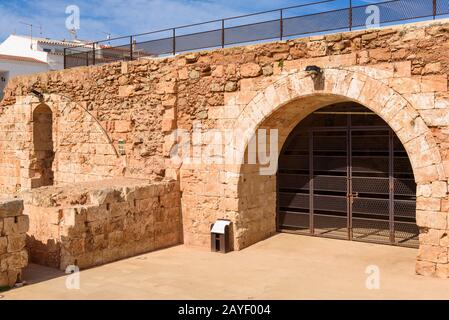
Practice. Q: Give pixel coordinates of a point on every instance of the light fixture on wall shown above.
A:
(37, 94)
(313, 70)
(316, 74)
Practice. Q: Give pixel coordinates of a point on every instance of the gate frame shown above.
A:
(350, 195)
(298, 94)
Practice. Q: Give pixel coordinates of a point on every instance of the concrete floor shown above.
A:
(282, 267)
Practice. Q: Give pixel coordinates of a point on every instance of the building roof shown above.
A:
(56, 42)
(18, 58)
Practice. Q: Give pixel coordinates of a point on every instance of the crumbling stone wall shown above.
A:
(139, 103)
(13, 254)
(399, 72)
(92, 224)
(82, 149)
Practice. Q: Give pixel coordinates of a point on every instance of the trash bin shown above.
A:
(220, 236)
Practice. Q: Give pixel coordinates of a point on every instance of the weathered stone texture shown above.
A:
(13, 254)
(117, 120)
(92, 224)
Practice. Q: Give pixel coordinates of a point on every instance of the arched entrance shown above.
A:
(43, 153)
(292, 98)
(249, 199)
(343, 173)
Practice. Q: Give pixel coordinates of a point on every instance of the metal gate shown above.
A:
(343, 173)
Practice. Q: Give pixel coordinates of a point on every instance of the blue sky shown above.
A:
(120, 17)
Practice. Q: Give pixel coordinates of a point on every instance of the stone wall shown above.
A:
(93, 224)
(398, 72)
(82, 149)
(137, 104)
(13, 255)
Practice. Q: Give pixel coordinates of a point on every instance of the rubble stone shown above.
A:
(13, 254)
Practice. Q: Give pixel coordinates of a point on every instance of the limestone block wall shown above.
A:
(13, 254)
(82, 149)
(92, 224)
(137, 104)
(398, 72)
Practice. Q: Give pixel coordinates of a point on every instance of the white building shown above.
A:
(20, 55)
(11, 66)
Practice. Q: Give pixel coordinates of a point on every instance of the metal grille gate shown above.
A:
(343, 173)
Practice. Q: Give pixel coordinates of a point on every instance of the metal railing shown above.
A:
(280, 24)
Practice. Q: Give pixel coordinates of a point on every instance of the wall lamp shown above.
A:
(313, 71)
(37, 94)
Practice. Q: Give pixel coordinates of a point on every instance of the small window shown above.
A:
(47, 50)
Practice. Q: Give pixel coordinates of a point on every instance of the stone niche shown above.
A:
(90, 224)
(13, 229)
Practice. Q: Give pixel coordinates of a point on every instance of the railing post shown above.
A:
(223, 33)
(87, 58)
(65, 58)
(93, 53)
(174, 41)
(434, 9)
(131, 49)
(350, 15)
(282, 24)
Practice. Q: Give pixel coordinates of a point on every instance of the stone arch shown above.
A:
(43, 147)
(83, 148)
(294, 96)
(68, 111)
(339, 85)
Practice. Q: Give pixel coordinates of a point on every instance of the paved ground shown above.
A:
(283, 267)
